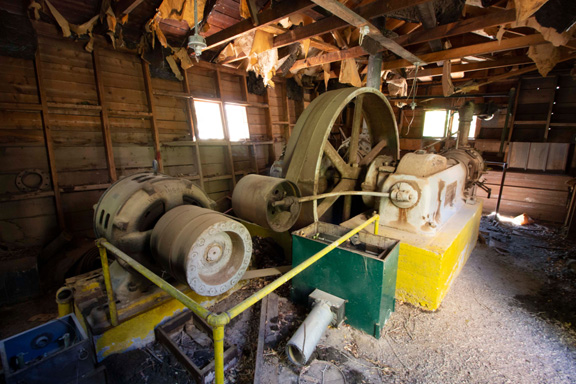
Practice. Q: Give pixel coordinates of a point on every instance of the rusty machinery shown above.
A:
(418, 193)
(168, 225)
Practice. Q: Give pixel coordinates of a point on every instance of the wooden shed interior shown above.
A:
(93, 91)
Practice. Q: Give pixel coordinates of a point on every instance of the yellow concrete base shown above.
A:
(138, 318)
(427, 265)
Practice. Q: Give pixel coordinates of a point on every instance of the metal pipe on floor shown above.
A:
(304, 341)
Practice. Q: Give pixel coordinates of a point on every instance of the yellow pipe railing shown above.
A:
(217, 321)
(108, 284)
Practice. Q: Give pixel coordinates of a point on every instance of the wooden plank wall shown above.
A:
(540, 196)
(103, 123)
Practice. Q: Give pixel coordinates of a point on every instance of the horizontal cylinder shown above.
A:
(202, 248)
(254, 197)
(304, 342)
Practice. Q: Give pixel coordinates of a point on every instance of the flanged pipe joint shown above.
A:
(327, 310)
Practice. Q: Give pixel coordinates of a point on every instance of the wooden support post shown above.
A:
(269, 132)
(252, 149)
(374, 76)
(511, 130)
(226, 131)
(152, 109)
(48, 142)
(107, 137)
(193, 127)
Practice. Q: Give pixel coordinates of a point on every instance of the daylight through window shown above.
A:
(434, 123)
(209, 120)
(237, 120)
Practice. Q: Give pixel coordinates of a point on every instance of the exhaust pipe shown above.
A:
(327, 309)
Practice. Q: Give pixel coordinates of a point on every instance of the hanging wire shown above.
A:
(413, 92)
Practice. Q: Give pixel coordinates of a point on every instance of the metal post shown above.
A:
(376, 227)
(218, 335)
(504, 169)
(169, 288)
(108, 283)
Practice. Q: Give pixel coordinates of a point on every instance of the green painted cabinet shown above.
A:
(361, 271)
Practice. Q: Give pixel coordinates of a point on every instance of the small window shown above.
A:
(237, 120)
(209, 120)
(434, 123)
(456, 123)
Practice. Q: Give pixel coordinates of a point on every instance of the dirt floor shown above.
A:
(510, 317)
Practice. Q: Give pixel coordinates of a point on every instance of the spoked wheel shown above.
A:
(312, 158)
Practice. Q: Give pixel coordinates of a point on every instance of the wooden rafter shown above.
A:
(499, 63)
(269, 16)
(428, 19)
(331, 57)
(457, 28)
(124, 7)
(449, 54)
(471, 50)
(354, 19)
(333, 23)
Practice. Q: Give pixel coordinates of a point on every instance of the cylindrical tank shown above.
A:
(202, 248)
(253, 199)
(129, 209)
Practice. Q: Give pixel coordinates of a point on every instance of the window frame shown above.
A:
(445, 123)
(197, 121)
(228, 125)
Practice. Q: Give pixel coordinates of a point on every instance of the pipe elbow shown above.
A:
(218, 320)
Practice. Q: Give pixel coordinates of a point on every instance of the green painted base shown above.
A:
(364, 275)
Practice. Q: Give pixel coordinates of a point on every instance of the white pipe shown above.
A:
(303, 343)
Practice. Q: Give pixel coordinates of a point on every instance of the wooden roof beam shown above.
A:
(477, 49)
(456, 28)
(333, 23)
(124, 7)
(352, 18)
(269, 16)
(428, 20)
(499, 63)
(330, 57)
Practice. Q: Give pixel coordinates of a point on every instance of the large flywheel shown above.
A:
(334, 141)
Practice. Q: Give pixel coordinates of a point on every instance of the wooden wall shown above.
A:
(92, 118)
(540, 196)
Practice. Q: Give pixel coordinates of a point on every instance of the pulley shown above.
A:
(129, 209)
(202, 248)
(254, 197)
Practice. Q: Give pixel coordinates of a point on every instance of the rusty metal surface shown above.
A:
(203, 374)
(421, 164)
(202, 248)
(423, 204)
(316, 166)
(254, 197)
(129, 209)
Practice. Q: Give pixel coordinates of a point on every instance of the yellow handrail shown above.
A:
(217, 321)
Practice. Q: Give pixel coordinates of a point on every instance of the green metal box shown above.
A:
(361, 271)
